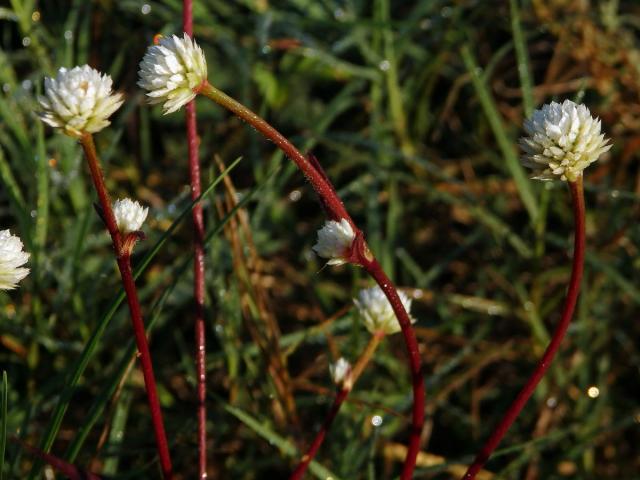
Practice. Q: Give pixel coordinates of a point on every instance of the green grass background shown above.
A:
(414, 109)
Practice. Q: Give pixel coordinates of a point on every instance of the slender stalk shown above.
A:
(319, 183)
(518, 404)
(341, 396)
(361, 255)
(124, 265)
(198, 263)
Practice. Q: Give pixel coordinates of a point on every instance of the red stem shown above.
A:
(341, 396)
(361, 255)
(198, 262)
(124, 265)
(300, 470)
(317, 179)
(518, 404)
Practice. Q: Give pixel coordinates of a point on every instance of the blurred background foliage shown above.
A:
(414, 108)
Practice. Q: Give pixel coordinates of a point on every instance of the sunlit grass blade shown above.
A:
(504, 142)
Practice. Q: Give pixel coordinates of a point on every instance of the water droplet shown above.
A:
(6, 87)
(338, 13)
(615, 193)
(552, 402)
(425, 24)
(26, 84)
(593, 392)
(145, 9)
(35, 16)
(446, 12)
(295, 195)
(376, 420)
(384, 65)
(68, 35)
(266, 49)
(528, 305)
(171, 209)
(26, 41)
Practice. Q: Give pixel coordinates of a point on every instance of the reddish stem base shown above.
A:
(518, 404)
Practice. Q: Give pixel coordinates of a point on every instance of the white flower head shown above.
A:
(340, 371)
(334, 241)
(79, 100)
(376, 312)
(12, 257)
(130, 215)
(171, 70)
(563, 139)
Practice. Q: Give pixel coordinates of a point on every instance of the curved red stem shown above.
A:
(362, 256)
(518, 404)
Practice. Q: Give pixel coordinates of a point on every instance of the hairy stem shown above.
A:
(341, 396)
(518, 404)
(198, 263)
(362, 255)
(124, 265)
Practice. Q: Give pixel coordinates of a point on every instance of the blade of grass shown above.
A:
(522, 57)
(273, 438)
(16, 198)
(42, 200)
(491, 112)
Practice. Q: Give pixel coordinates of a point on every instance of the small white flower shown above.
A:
(563, 139)
(334, 241)
(79, 100)
(11, 260)
(130, 215)
(171, 70)
(376, 312)
(340, 371)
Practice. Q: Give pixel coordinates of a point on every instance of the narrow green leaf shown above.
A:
(522, 57)
(491, 111)
(42, 200)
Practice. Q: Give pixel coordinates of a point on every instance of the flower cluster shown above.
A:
(130, 215)
(12, 259)
(79, 100)
(335, 240)
(563, 139)
(340, 371)
(376, 312)
(172, 71)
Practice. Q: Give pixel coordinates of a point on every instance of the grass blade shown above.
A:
(491, 111)
(522, 57)
(274, 439)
